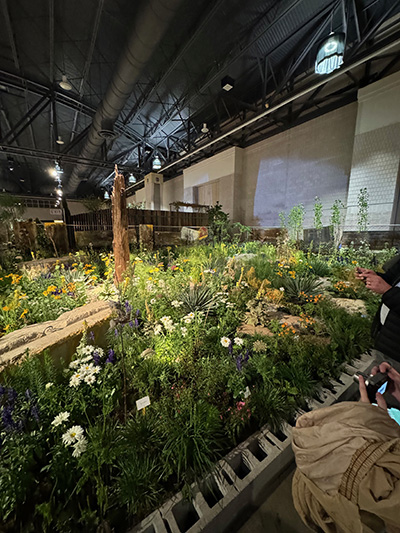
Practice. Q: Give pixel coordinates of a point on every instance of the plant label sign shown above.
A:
(142, 403)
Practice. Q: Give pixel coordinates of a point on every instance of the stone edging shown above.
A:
(241, 477)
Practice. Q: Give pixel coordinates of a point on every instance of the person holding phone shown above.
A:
(386, 325)
(348, 464)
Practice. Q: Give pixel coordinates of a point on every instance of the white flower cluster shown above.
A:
(168, 323)
(85, 371)
(209, 271)
(176, 303)
(188, 318)
(226, 341)
(74, 437)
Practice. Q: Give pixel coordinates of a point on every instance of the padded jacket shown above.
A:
(387, 336)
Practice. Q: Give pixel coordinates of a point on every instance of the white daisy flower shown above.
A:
(99, 351)
(225, 341)
(238, 341)
(79, 447)
(88, 349)
(89, 379)
(165, 319)
(190, 315)
(85, 359)
(153, 301)
(281, 289)
(60, 419)
(74, 364)
(157, 329)
(72, 435)
(187, 320)
(75, 380)
(176, 303)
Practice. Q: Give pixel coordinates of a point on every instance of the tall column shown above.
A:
(120, 226)
(153, 186)
(376, 154)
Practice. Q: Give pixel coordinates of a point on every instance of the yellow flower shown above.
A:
(94, 278)
(8, 326)
(6, 308)
(74, 264)
(23, 313)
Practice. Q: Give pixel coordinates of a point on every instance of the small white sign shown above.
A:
(55, 212)
(142, 403)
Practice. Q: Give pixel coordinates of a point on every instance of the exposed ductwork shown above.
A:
(149, 28)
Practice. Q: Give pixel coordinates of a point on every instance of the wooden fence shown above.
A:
(161, 220)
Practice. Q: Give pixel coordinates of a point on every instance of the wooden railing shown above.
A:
(161, 220)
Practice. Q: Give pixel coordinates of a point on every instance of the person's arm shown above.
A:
(391, 298)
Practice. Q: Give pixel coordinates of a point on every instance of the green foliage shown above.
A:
(317, 213)
(295, 222)
(363, 209)
(198, 298)
(320, 267)
(337, 219)
(218, 224)
(300, 284)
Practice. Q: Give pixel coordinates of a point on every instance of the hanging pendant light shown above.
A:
(65, 84)
(106, 195)
(157, 163)
(330, 54)
(132, 179)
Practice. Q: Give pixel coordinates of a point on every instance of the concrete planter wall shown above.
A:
(240, 478)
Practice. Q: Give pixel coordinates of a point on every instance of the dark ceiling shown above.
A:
(267, 47)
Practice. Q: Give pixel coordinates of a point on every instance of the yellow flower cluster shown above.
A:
(49, 290)
(341, 286)
(15, 278)
(306, 321)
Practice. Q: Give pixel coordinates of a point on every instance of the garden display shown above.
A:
(209, 343)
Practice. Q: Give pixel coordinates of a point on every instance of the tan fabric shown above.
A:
(348, 476)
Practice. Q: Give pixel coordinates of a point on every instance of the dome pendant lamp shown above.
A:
(330, 54)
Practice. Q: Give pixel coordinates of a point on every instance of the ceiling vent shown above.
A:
(107, 134)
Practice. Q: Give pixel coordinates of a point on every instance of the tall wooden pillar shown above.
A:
(120, 226)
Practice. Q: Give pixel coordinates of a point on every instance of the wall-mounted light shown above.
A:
(330, 54)
(157, 163)
(65, 84)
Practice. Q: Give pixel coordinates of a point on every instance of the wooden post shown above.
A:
(120, 226)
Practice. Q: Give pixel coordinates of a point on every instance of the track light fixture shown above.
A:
(330, 54)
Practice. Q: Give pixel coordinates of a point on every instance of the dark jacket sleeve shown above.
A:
(393, 273)
(391, 298)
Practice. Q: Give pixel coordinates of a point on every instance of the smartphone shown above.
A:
(374, 384)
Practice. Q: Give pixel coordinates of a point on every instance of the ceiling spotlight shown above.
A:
(132, 179)
(59, 140)
(204, 129)
(157, 163)
(106, 195)
(10, 163)
(65, 84)
(330, 54)
(227, 83)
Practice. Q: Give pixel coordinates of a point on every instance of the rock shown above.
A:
(60, 336)
(325, 283)
(290, 320)
(244, 257)
(351, 306)
(147, 353)
(248, 329)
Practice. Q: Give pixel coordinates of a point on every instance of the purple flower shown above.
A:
(230, 349)
(96, 358)
(91, 335)
(111, 356)
(116, 332)
(137, 312)
(35, 413)
(136, 323)
(130, 323)
(6, 418)
(12, 395)
(247, 355)
(2, 390)
(128, 308)
(239, 362)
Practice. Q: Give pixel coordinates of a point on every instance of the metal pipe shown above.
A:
(324, 80)
(149, 28)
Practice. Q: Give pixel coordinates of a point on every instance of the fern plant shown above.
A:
(199, 298)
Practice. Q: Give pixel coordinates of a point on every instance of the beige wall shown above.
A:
(42, 213)
(172, 192)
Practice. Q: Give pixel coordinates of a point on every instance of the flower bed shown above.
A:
(39, 294)
(77, 454)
